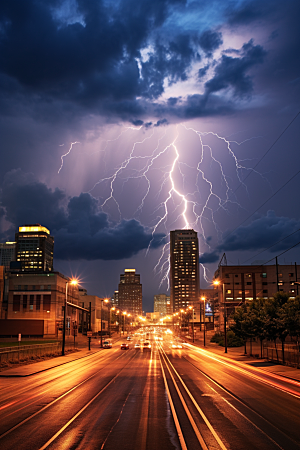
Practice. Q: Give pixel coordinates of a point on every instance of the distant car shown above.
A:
(176, 346)
(124, 347)
(107, 344)
(146, 346)
(137, 346)
(129, 338)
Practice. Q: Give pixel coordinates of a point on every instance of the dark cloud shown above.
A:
(61, 60)
(263, 232)
(161, 122)
(208, 258)
(249, 12)
(110, 243)
(233, 72)
(80, 229)
(170, 61)
(26, 200)
(210, 40)
(260, 234)
(203, 71)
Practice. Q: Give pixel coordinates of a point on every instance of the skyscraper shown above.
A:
(130, 292)
(34, 249)
(162, 304)
(184, 268)
(7, 253)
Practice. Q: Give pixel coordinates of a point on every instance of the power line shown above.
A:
(256, 166)
(264, 203)
(276, 140)
(272, 245)
(282, 253)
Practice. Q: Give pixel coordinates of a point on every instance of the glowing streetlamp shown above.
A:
(204, 323)
(73, 282)
(216, 283)
(105, 300)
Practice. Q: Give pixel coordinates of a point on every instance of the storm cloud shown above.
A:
(116, 60)
(81, 230)
(264, 232)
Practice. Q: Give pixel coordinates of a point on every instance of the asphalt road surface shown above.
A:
(165, 398)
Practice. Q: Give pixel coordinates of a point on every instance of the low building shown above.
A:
(99, 310)
(35, 305)
(240, 284)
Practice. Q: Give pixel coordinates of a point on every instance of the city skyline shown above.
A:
(169, 115)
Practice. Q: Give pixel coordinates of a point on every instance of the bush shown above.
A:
(217, 337)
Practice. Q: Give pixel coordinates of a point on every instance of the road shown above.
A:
(167, 398)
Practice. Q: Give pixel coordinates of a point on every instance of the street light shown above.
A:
(216, 283)
(124, 326)
(192, 309)
(73, 282)
(105, 300)
(204, 323)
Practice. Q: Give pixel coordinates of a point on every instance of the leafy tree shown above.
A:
(258, 318)
(238, 327)
(275, 326)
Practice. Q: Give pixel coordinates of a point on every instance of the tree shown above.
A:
(258, 318)
(275, 326)
(239, 318)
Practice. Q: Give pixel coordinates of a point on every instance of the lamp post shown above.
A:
(73, 282)
(192, 309)
(216, 283)
(204, 323)
(105, 300)
(124, 323)
(110, 319)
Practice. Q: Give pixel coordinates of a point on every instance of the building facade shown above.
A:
(162, 304)
(115, 299)
(100, 311)
(35, 304)
(34, 248)
(7, 253)
(240, 284)
(130, 293)
(184, 268)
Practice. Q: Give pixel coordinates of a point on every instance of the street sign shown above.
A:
(89, 333)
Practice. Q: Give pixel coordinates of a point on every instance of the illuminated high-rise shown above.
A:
(7, 253)
(130, 293)
(184, 268)
(34, 248)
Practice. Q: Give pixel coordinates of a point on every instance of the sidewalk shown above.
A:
(26, 370)
(237, 353)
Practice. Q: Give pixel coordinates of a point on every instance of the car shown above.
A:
(107, 344)
(129, 338)
(176, 345)
(137, 346)
(124, 346)
(146, 346)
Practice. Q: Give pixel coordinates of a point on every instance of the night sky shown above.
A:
(123, 120)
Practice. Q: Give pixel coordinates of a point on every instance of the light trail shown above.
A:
(253, 372)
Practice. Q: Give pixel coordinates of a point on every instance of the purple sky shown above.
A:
(169, 106)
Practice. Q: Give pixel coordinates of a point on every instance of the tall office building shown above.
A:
(7, 253)
(34, 248)
(162, 304)
(184, 268)
(130, 293)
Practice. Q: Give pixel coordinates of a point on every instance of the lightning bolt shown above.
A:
(66, 154)
(187, 195)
